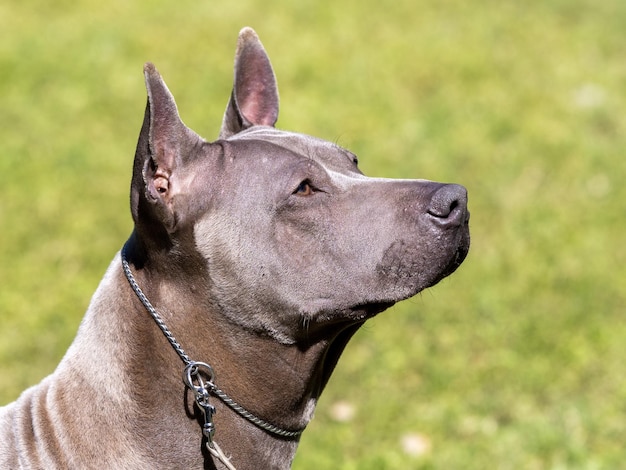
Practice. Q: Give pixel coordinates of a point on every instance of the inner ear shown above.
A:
(161, 184)
(157, 181)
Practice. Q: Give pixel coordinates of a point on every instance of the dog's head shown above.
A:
(290, 217)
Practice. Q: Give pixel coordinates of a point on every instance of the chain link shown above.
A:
(152, 311)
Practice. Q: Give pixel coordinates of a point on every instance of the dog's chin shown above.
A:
(370, 309)
(328, 320)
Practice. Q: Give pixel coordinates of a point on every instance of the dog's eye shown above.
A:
(304, 189)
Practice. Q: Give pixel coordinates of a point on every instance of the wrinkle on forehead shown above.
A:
(319, 150)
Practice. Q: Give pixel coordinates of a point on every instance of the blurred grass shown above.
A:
(514, 362)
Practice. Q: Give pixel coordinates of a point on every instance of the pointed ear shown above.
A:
(254, 100)
(162, 143)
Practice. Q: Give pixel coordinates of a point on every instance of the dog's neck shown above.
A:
(276, 382)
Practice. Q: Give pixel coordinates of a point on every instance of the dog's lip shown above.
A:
(350, 315)
(370, 309)
(375, 306)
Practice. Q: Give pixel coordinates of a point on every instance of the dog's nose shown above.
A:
(449, 204)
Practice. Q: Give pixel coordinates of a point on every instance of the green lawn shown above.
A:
(515, 362)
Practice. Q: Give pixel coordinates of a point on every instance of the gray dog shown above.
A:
(257, 256)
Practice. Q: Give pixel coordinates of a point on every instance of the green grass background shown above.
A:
(518, 361)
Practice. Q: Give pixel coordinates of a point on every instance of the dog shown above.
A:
(257, 256)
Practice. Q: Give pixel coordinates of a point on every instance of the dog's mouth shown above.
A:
(327, 325)
(459, 255)
(400, 281)
(368, 310)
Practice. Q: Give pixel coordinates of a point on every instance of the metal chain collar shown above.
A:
(199, 376)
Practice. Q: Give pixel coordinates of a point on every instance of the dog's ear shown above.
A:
(164, 141)
(254, 100)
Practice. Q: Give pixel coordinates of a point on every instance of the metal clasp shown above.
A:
(198, 377)
(208, 410)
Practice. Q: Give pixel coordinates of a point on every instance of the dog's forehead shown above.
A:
(322, 151)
